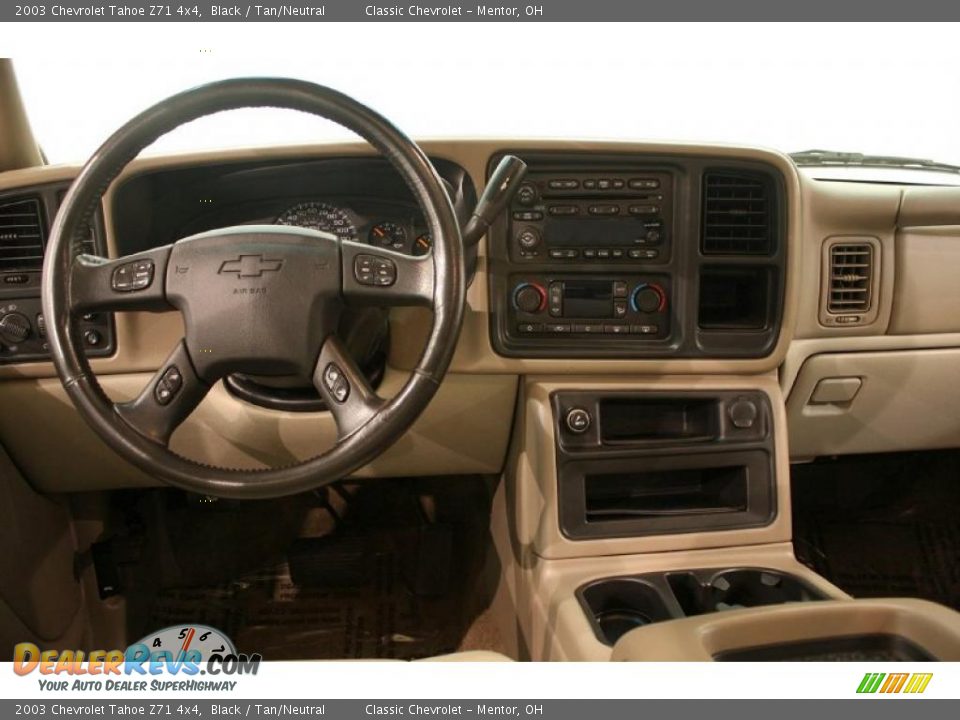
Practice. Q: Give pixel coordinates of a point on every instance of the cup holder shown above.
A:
(622, 604)
(617, 605)
(734, 589)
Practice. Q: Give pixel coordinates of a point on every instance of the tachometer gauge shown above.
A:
(422, 245)
(320, 216)
(388, 235)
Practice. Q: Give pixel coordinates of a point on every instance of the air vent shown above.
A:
(737, 214)
(21, 235)
(851, 273)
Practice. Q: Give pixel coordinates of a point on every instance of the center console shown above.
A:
(613, 256)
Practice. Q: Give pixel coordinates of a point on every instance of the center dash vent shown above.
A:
(851, 273)
(21, 235)
(737, 214)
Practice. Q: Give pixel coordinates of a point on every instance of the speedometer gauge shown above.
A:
(320, 216)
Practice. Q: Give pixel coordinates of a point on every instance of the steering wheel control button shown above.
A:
(173, 378)
(133, 276)
(168, 386)
(578, 421)
(374, 270)
(14, 328)
(336, 383)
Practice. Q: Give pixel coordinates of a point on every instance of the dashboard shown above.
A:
(603, 270)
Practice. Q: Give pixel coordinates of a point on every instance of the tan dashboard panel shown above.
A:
(465, 429)
(837, 212)
(927, 296)
(907, 400)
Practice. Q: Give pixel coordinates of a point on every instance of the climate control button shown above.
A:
(648, 298)
(529, 298)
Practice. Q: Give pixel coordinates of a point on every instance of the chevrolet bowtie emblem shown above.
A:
(247, 266)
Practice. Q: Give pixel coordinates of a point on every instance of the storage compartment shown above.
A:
(617, 606)
(734, 298)
(661, 494)
(638, 420)
(856, 648)
(734, 589)
(656, 493)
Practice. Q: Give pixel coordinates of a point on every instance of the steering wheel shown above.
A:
(258, 299)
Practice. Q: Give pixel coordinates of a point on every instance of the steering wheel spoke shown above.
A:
(344, 388)
(376, 276)
(133, 282)
(172, 394)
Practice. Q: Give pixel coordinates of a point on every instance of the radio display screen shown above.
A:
(588, 299)
(594, 232)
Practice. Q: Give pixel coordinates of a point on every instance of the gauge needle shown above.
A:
(187, 640)
(378, 232)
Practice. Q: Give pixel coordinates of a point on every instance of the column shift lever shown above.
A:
(500, 189)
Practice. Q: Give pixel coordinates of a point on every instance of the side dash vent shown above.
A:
(21, 235)
(851, 281)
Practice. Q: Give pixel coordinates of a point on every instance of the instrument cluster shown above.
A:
(385, 225)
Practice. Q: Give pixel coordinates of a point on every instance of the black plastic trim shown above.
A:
(686, 339)
(721, 445)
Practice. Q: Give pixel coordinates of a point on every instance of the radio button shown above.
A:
(564, 184)
(616, 329)
(603, 253)
(528, 215)
(527, 194)
(604, 209)
(528, 239)
(616, 253)
(644, 209)
(636, 253)
(563, 210)
(644, 184)
(618, 184)
(589, 184)
(590, 253)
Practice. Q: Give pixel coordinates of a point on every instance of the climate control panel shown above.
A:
(567, 305)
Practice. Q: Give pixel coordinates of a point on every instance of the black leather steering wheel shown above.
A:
(263, 300)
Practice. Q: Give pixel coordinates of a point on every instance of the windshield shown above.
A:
(837, 90)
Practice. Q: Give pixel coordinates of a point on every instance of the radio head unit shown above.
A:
(622, 217)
